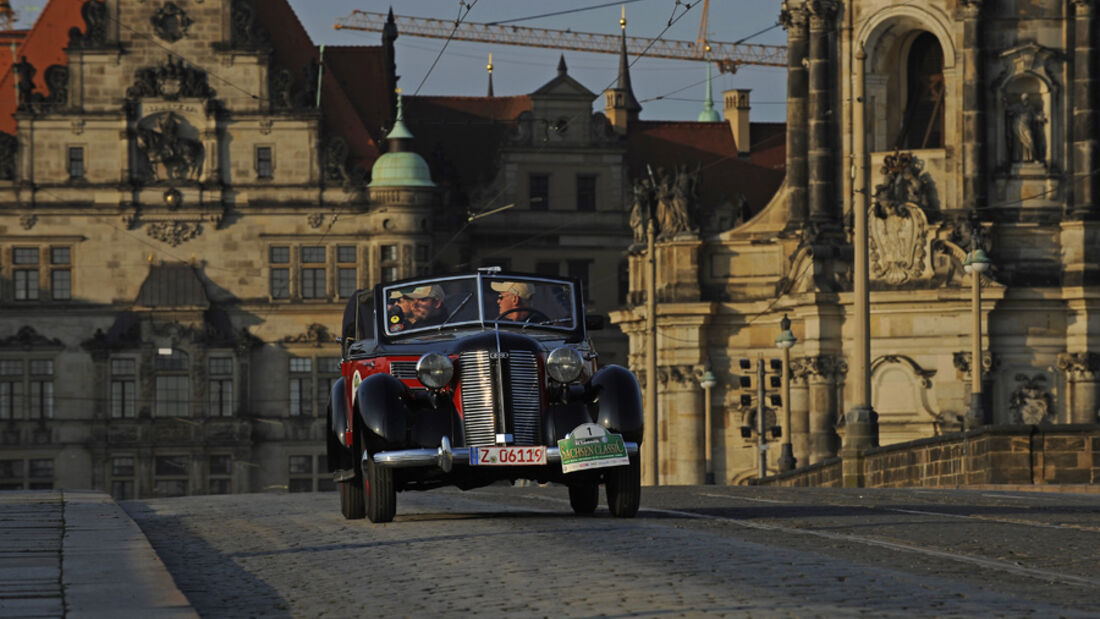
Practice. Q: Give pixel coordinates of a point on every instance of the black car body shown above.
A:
(467, 396)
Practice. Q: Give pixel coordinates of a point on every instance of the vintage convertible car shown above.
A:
(470, 379)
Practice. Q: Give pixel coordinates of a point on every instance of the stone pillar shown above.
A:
(683, 437)
(1082, 370)
(800, 410)
(796, 21)
(973, 106)
(1084, 114)
(822, 201)
(821, 374)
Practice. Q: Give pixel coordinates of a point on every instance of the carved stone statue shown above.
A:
(642, 207)
(1025, 124)
(897, 225)
(180, 155)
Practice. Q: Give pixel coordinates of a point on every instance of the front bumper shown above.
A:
(445, 457)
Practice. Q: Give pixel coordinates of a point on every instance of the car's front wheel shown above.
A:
(351, 498)
(584, 498)
(624, 489)
(381, 496)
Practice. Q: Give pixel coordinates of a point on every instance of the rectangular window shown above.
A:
(345, 254)
(11, 469)
(40, 468)
(123, 388)
(345, 282)
(313, 255)
(172, 473)
(280, 283)
(76, 162)
(280, 276)
(301, 386)
(389, 274)
(586, 192)
(11, 399)
(221, 470)
(301, 474)
(26, 279)
(221, 465)
(60, 275)
(264, 162)
(221, 386)
(122, 466)
(538, 192)
(389, 253)
(41, 389)
(313, 283)
(173, 396)
(580, 269)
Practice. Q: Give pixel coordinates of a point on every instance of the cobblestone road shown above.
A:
(692, 551)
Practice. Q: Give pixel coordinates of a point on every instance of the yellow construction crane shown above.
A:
(728, 56)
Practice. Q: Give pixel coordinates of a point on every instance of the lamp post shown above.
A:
(785, 341)
(976, 263)
(707, 381)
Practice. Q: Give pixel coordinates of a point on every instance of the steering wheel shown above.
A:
(533, 315)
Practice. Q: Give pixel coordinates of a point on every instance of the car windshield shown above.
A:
(495, 300)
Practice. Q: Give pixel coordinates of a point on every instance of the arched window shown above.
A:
(922, 126)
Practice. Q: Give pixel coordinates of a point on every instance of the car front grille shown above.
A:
(403, 369)
(491, 384)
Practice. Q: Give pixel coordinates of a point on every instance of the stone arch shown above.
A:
(887, 38)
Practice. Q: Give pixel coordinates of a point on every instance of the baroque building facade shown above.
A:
(954, 125)
(190, 190)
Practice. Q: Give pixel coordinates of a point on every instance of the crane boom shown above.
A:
(728, 56)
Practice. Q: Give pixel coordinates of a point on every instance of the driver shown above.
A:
(420, 307)
(514, 300)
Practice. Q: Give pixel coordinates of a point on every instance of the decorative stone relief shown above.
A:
(245, 32)
(1032, 402)
(174, 232)
(1079, 366)
(172, 80)
(27, 221)
(962, 363)
(94, 36)
(316, 334)
(315, 220)
(27, 338)
(170, 22)
(163, 146)
(289, 93)
(679, 376)
(925, 376)
(671, 197)
(56, 78)
(897, 225)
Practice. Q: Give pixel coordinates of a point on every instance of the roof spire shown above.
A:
(399, 136)
(562, 69)
(629, 101)
(709, 114)
(489, 67)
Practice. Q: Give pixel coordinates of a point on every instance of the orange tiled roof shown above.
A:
(43, 45)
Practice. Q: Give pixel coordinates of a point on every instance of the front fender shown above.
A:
(381, 403)
(619, 402)
(339, 455)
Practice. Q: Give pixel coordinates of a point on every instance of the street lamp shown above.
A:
(785, 341)
(976, 263)
(707, 381)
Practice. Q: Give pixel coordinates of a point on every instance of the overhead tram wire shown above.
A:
(565, 12)
(458, 22)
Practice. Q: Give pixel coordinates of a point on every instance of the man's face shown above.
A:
(508, 301)
(406, 304)
(422, 309)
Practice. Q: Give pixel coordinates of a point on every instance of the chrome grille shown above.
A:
(479, 375)
(403, 369)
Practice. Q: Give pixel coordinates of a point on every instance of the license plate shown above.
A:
(508, 456)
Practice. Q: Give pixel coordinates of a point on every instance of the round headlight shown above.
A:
(564, 364)
(435, 370)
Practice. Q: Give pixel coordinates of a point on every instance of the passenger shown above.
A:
(419, 307)
(514, 300)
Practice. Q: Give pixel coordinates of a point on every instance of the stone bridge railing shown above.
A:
(1008, 454)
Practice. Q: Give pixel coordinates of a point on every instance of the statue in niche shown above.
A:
(1025, 121)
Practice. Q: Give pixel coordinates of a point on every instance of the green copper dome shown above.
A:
(400, 167)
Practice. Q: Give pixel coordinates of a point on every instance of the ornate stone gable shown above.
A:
(172, 80)
(94, 36)
(27, 338)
